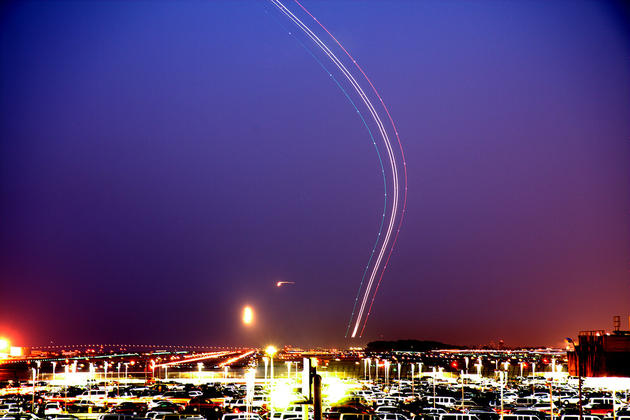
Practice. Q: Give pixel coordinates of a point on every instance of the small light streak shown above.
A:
(237, 358)
(282, 283)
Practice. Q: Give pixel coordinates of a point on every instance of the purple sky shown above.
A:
(163, 164)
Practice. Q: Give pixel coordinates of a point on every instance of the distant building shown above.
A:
(601, 353)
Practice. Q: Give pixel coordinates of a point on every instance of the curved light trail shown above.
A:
(388, 241)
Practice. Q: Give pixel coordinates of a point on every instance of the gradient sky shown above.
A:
(162, 164)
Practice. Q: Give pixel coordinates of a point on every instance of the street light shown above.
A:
(271, 350)
(413, 365)
(579, 374)
(501, 373)
(66, 371)
(266, 360)
(433, 386)
(90, 376)
(33, 403)
(533, 369)
(118, 379)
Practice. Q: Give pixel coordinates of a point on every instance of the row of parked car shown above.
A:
(421, 399)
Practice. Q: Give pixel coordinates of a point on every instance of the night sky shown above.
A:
(163, 164)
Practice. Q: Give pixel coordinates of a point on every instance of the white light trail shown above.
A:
(383, 132)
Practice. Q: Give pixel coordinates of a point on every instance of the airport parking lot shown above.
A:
(351, 389)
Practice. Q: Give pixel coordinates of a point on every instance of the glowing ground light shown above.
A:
(248, 315)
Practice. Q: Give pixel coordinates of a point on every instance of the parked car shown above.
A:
(131, 408)
(53, 408)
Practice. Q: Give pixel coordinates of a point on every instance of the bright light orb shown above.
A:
(248, 315)
(271, 350)
(4, 344)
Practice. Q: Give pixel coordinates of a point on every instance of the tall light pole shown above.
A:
(551, 397)
(433, 386)
(501, 379)
(66, 371)
(463, 387)
(199, 368)
(271, 351)
(266, 360)
(33, 402)
(54, 365)
(413, 365)
(90, 375)
(533, 369)
(118, 380)
(579, 374)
